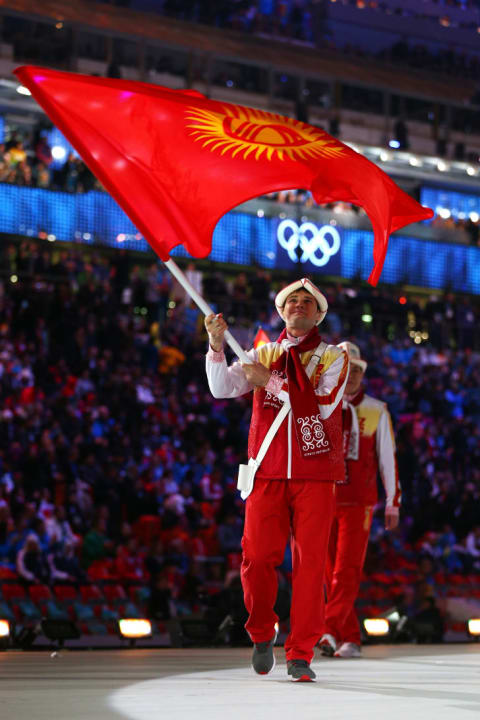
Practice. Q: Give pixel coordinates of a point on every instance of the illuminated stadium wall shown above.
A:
(461, 204)
(243, 239)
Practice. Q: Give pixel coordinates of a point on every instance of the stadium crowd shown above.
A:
(116, 462)
(29, 163)
(307, 21)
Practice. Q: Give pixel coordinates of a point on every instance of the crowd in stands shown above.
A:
(465, 230)
(117, 463)
(306, 21)
(28, 162)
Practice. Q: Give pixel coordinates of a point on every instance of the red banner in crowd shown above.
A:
(176, 162)
(261, 338)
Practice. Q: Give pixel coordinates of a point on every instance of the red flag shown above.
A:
(261, 338)
(176, 161)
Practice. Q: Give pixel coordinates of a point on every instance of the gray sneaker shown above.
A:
(327, 645)
(263, 658)
(300, 671)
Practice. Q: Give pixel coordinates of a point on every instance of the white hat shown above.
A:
(307, 285)
(353, 352)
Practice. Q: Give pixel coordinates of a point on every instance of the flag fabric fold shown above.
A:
(176, 161)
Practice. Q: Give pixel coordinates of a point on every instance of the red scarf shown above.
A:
(350, 441)
(309, 426)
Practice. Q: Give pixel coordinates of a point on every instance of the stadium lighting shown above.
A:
(444, 213)
(376, 627)
(4, 629)
(4, 634)
(474, 217)
(23, 90)
(58, 152)
(395, 144)
(135, 628)
(474, 627)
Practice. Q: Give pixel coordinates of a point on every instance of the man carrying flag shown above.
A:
(300, 381)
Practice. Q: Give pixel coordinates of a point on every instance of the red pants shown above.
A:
(346, 555)
(274, 510)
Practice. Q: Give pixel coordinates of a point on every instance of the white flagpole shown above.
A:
(205, 308)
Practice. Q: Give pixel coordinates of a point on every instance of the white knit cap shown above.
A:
(307, 285)
(353, 352)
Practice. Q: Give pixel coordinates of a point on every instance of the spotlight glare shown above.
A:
(367, 318)
(13, 278)
(22, 90)
(4, 628)
(474, 626)
(376, 627)
(58, 152)
(135, 628)
(394, 144)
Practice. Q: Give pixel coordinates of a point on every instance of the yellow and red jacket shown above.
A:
(283, 458)
(376, 454)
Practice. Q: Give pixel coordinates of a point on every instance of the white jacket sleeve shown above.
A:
(224, 381)
(331, 385)
(385, 445)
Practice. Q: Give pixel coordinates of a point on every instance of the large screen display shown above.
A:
(290, 243)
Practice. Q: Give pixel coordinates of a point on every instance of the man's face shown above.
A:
(355, 377)
(300, 312)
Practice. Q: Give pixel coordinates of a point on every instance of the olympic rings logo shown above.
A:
(310, 239)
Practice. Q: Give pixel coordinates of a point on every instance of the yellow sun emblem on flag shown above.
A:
(245, 131)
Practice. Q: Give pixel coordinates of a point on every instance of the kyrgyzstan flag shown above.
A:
(261, 338)
(176, 161)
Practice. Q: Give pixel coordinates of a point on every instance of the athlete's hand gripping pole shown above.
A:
(205, 308)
